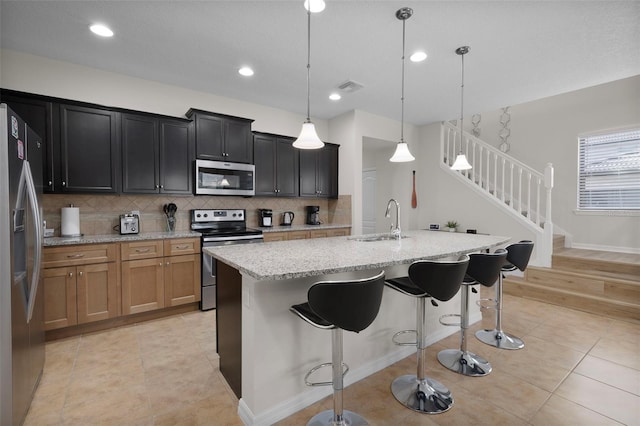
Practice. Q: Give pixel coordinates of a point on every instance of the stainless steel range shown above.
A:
(219, 228)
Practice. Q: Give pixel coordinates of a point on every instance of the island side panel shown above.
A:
(279, 348)
(229, 324)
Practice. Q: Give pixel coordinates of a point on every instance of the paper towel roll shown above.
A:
(70, 222)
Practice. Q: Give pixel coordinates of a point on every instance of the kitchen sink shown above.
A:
(375, 237)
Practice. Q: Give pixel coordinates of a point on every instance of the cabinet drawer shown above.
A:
(141, 250)
(79, 255)
(179, 246)
(323, 233)
(297, 235)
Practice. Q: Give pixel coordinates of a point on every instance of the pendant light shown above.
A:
(461, 162)
(402, 153)
(308, 138)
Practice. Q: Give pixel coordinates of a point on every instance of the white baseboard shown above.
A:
(313, 395)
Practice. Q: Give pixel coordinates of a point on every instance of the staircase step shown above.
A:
(558, 242)
(624, 311)
(610, 264)
(594, 285)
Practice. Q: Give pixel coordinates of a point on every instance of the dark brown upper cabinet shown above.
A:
(40, 115)
(222, 137)
(319, 172)
(157, 155)
(276, 162)
(89, 150)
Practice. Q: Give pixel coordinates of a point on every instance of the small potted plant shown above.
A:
(452, 225)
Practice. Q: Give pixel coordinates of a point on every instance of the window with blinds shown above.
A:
(609, 171)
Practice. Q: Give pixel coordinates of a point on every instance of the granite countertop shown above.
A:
(281, 260)
(278, 228)
(117, 238)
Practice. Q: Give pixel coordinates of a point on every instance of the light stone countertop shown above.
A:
(280, 260)
(279, 228)
(117, 238)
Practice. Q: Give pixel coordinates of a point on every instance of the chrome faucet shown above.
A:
(395, 230)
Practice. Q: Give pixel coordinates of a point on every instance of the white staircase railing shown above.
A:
(512, 185)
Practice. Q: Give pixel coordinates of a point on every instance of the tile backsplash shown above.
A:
(100, 214)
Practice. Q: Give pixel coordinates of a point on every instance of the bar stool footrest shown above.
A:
(345, 370)
(443, 320)
(399, 333)
(487, 303)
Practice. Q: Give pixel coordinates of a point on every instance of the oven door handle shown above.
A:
(231, 238)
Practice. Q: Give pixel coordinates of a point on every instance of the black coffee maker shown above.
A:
(265, 217)
(313, 215)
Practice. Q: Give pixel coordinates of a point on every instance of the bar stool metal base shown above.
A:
(425, 396)
(499, 339)
(466, 363)
(327, 418)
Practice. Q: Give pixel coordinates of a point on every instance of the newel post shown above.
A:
(546, 250)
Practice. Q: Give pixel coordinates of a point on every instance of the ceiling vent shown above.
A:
(350, 86)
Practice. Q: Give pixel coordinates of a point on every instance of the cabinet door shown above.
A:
(140, 154)
(181, 280)
(142, 285)
(59, 297)
(308, 172)
(176, 157)
(89, 150)
(327, 176)
(38, 114)
(209, 137)
(286, 168)
(237, 141)
(264, 153)
(97, 287)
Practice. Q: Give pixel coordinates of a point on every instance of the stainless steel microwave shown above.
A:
(224, 178)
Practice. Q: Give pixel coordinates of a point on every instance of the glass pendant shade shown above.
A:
(308, 138)
(461, 163)
(402, 154)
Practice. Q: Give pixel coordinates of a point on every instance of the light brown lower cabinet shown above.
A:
(79, 294)
(142, 285)
(302, 235)
(160, 282)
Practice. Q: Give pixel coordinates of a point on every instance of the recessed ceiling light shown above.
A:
(246, 71)
(316, 5)
(335, 97)
(418, 57)
(101, 30)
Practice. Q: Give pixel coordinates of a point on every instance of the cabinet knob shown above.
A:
(160, 264)
(157, 186)
(70, 274)
(50, 183)
(64, 183)
(161, 186)
(80, 273)
(167, 263)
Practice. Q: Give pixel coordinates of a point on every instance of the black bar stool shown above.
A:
(484, 269)
(439, 280)
(340, 305)
(518, 256)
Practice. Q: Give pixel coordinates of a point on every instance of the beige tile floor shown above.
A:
(576, 369)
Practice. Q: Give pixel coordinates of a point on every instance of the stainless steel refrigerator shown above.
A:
(21, 290)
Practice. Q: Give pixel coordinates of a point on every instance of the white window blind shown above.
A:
(609, 171)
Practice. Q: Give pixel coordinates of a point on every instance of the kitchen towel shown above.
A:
(70, 220)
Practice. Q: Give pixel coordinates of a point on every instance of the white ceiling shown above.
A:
(520, 50)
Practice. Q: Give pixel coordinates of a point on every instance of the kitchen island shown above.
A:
(265, 350)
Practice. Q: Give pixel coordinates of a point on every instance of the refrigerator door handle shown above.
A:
(27, 177)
